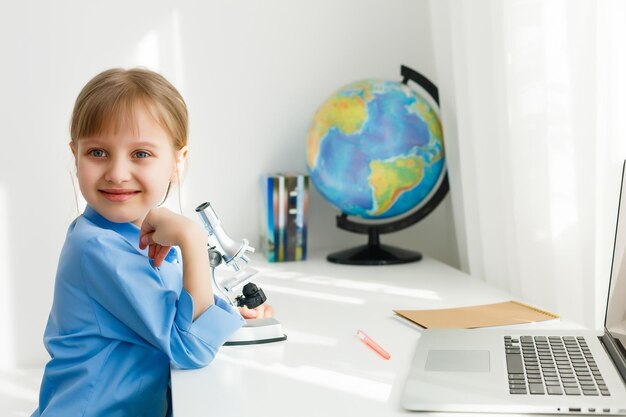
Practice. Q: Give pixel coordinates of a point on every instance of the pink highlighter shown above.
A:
(369, 342)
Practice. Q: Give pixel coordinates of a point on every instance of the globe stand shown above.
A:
(374, 253)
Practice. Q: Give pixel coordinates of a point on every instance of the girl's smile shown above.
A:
(114, 194)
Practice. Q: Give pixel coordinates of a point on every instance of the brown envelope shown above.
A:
(499, 314)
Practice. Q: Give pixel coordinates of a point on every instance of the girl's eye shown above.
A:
(141, 154)
(97, 153)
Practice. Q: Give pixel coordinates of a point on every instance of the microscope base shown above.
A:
(258, 331)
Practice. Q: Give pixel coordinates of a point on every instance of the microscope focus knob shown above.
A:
(215, 258)
(252, 296)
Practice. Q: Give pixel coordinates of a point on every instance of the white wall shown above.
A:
(252, 72)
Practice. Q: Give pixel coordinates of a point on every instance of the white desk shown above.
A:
(323, 369)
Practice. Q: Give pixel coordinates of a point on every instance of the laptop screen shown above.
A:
(615, 319)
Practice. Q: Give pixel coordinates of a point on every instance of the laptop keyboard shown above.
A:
(552, 365)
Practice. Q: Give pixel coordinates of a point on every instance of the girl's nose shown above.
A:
(118, 171)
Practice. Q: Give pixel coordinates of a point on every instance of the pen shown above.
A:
(369, 342)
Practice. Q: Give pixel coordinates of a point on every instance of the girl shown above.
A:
(126, 304)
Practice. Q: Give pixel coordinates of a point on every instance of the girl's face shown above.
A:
(125, 174)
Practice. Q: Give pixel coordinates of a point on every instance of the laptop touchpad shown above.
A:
(457, 361)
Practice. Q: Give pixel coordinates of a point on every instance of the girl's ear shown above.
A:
(181, 158)
(74, 152)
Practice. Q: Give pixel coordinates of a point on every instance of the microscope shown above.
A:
(230, 257)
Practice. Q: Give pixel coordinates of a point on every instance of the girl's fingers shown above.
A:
(146, 228)
(145, 239)
(269, 310)
(262, 311)
(157, 253)
(247, 313)
(160, 254)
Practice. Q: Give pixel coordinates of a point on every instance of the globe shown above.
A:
(375, 149)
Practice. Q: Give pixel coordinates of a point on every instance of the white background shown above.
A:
(253, 73)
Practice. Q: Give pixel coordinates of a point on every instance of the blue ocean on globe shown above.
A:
(375, 149)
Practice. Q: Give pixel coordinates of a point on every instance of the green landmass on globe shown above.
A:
(375, 149)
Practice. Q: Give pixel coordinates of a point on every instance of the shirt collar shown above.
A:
(129, 231)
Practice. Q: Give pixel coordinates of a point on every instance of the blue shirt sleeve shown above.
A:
(133, 303)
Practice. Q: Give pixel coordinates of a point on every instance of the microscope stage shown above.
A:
(257, 331)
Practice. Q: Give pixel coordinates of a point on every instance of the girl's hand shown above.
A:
(162, 229)
(261, 312)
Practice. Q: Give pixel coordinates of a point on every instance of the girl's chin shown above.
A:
(118, 216)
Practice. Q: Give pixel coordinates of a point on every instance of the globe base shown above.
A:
(374, 255)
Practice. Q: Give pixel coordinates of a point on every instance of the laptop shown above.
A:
(510, 370)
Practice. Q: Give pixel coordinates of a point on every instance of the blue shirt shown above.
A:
(117, 324)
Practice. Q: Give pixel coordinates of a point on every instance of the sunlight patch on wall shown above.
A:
(7, 347)
(179, 69)
(147, 51)
(560, 146)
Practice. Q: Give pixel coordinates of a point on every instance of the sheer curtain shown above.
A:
(533, 101)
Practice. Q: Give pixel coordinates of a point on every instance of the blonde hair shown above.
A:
(109, 99)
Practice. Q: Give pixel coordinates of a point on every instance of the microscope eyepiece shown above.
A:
(202, 206)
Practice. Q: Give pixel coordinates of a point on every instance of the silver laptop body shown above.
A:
(510, 370)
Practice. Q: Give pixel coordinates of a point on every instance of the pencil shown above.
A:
(373, 345)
